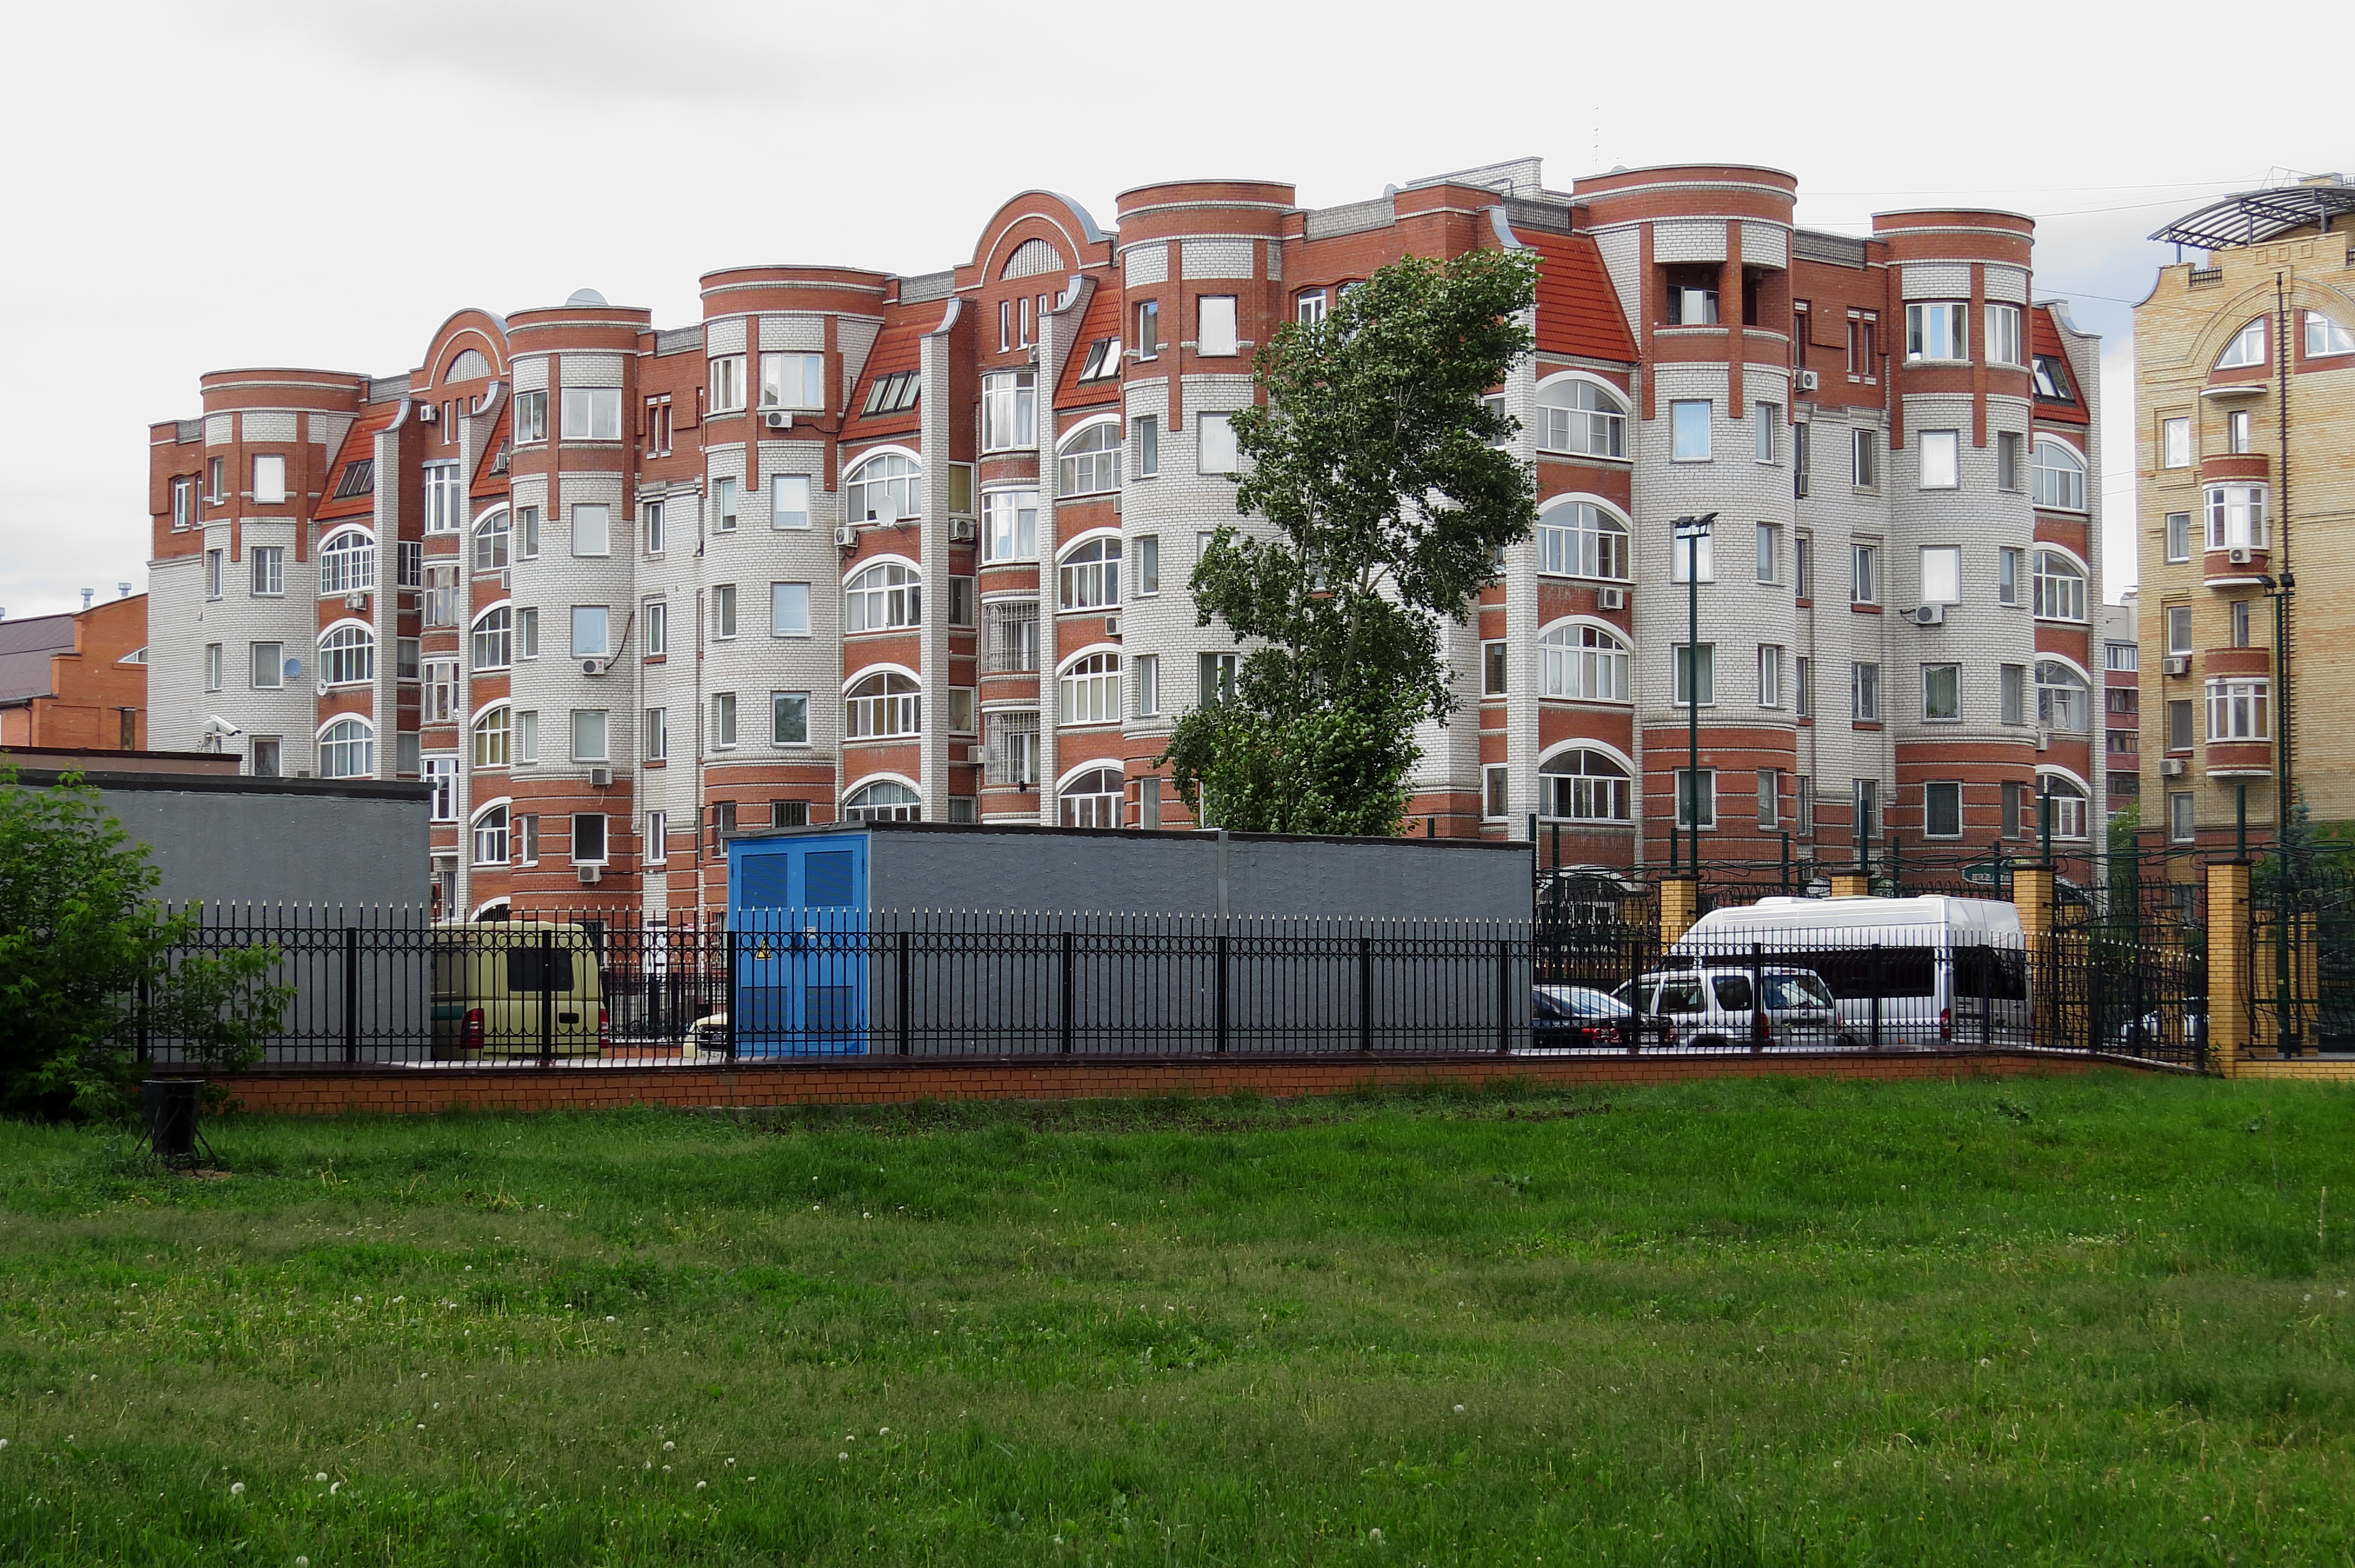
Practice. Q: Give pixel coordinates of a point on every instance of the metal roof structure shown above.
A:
(2251, 217)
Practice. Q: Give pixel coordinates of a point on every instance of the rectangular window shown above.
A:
(1009, 525)
(1942, 811)
(266, 756)
(1689, 294)
(270, 478)
(1770, 796)
(2012, 682)
(1148, 329)
(2178, 628)
(526, 624)
(1009, 411)
(1013, 635)
(2175, 443)
(184, 504)
(213, 559)
(269, 668)
(2015, 810)
(1867, 808)
(2004, 345)
(1803, 565)
(1688, 659)
(2010, 472)
(1492, 669)
(531, 422)
(789, 718)
(1767, 551)
(1942, 574)
(1803, 460)
(1942, 692)
(527, 841)
(526, 737)
(2240, 624)
(2236, 431)
(1496, 794)
(2237, 710)
(1770, 424)
(2179, 535)
(217, 480)
(1147, 667)
(961, 710)
(724, 719)
(1770, 675)
(650, 528)
(1216, 675)
(657, 616)
(2007, 575)
(1148, 580)
(2178, 725)
(440, 776)
(656, 745)
(792, 381)
(1864, 692)
(728, 384)
(723, 504)
(269, 570)
(1864, 447)
(1214, 441)
(1010, 754)
(1696, 798)
(587, 840)
(441, 606)
(405, 652)
(789, 500)
(2182, 819)
(723, 610)
(1864, 574)
(589, 734)
(592, 531)
(1941, 460)
(589, 631)
(789, 609)
(1803, 686)
(1689, 431)
(1860, 358)
(1144, 445)
(439, 696)
(445, 498)
(1214, 332)
(2122, 656)
(1699, 551)
(527, 533)
(658, 845)
(961, 601)
(1934, 330)
(1309, 308)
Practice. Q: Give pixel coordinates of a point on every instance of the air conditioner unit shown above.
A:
(1112, 626)
(425, 414)
(589, 875)
(601, 778)
(1930, 615)
(2043, 740)
(847, 537)
(2173, 767)
(2238, 555)
(1611, 599)
(778, 420)
(961, 530)
(2177, 664)
(1809, 380)
(356, 601)
(591, 667)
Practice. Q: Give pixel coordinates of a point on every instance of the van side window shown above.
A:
(1681, 996)
(1733, 992)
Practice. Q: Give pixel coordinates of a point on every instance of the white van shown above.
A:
(1906, 971)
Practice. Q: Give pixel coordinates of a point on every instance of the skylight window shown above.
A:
(894, 393)
(1102, 360)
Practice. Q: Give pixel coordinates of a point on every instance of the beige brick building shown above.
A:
(2244, 408)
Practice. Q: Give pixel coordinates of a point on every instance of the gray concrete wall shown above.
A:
(261, 841)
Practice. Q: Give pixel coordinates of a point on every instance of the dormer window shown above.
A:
(894, 393)
(2051, 377)
(1102, 360)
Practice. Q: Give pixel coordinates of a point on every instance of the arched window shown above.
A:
(1585, 661)
(2236, 516)
(2246, 349)
(2060, 587)
(494, 637)
(491, 542)
(348, 656)
(1090, 461)
(2324, 335)
(1579, 539)
(469, 365)
(2062, 700)
(2068, 807)
(346, 562)
(1091, 690)
(883, 704)
(1094, 799)
(2059, 477)
(885, 801)
(886, 594)
(347, 749)
(1581, 417)
(491, 837)
(491, 738)
(1090, 577)
(884, 488)
(1578, 786)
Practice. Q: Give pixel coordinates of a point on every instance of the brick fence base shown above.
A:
(897, 1080)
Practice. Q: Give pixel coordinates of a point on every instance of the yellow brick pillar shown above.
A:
(2229, 953)
(2031, 892)
(1680, 905)
(1852, 885)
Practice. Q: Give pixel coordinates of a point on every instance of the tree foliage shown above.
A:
(88, 956)
(1374, 460)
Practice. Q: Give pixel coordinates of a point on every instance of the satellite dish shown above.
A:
(293, 669)
(586, 297)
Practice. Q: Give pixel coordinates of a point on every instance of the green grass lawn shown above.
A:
(2052, 1320)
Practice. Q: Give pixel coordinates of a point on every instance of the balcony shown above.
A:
(2219, 663)
(2239, 759)
(2242, 565)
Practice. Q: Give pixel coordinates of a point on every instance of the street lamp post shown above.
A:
(1691, 532)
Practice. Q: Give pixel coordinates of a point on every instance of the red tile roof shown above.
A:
(485, 483)
(1577, 310)
(2044, 338)
(360, 446)
(899, 347)
(1103, 321)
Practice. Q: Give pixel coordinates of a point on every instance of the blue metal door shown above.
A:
(798, 914)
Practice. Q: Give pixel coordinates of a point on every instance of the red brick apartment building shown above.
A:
(860, 545)
(77, 680)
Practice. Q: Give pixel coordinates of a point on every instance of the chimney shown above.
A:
(87, 594)
(122, 590)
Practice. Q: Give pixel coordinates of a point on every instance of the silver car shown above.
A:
(1713, 1007)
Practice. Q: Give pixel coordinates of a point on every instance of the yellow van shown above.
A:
(489, 1000)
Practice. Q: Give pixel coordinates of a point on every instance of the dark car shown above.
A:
(1566, 1016)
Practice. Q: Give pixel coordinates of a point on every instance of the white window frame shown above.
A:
(2060, 594)
(592, 735)
(2175, 442)
(270, 478)
(443, 495)
(2248, 347)
(1215, 452)
(789, 502)
(268, 570)
(726, 383)
(2006, 343)
(2325, 336)
(1587, 660)
(1087, 689)
(799, 386)
(1938, 331)
(789, 610)
(1091, 584)
(1216, 328)
(1009, 411)
(1955, 669)
(1581, 415)
(1940, 458)
(347, 563)
(1009, 525)
(2237, 516)
(885, 595)
(492, 634)
(1942, 574)
(1583, 537)
(1685, 425)
(347, 654)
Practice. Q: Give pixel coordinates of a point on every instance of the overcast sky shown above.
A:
(198, 185)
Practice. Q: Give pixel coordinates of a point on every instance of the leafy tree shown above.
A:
(87, 955)
(1373, 459)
